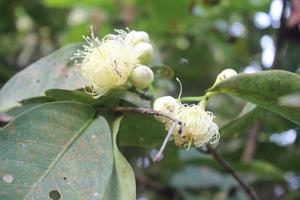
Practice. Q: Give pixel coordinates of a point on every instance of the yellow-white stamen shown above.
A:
(197, 124)
(199, 128)
(107, 63)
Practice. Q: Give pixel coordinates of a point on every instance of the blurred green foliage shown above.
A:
(197, 38)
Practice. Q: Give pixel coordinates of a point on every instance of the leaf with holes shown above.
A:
(53, 71)
(55, 150)
(264, 89)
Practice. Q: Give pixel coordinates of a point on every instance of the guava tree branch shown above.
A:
(280, 36)
(250, 147)
(248, 189)
(146, 111)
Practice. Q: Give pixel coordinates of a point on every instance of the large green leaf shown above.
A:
(53, 150)
(264, 89)
(122, 182)
(53, 71)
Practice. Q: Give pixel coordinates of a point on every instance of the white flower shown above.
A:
(198, 128)
(107, 63)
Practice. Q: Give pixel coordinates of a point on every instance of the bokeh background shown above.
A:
(198, 39)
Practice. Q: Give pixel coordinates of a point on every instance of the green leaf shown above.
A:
(247, 117)
(54, 150)
(122, 182)
(53, 71)
(81, 96)
(264, 89)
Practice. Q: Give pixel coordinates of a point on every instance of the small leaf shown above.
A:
(81, 96)
(122, 182)
(70, 95)
(264, 89)
(53, 71)
(247, 117)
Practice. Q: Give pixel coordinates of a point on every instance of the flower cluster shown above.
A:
(198, 126)
(109, 63)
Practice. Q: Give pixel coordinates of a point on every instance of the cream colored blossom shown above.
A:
(198, 128)
(107, 63)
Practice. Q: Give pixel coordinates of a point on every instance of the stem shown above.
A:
(166, 191)
(146, 111)
(248, 189)
(280, 36)
(188, 99)
(250, 148)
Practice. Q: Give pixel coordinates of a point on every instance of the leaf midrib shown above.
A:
(60, 155)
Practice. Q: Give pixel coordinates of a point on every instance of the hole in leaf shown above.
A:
(54, 194)
(8, 178)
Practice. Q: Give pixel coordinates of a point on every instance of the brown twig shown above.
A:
(250, 148)
(248, 189)
(146, 111)
(156, 186)
(280, 36)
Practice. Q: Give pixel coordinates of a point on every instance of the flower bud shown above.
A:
(141, 77)
(144, 52)
(167, 105)
(135, 37)
(225, 74)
